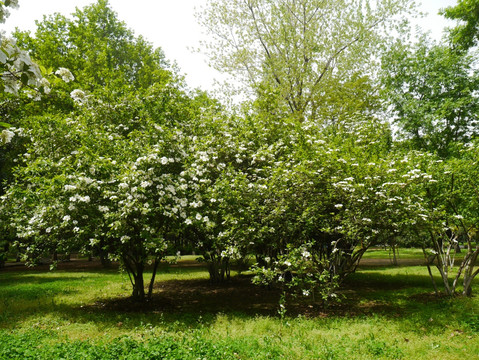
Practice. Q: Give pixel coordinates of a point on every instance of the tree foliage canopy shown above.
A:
(433, 90)
(306, 52)
(466, 33)
(98, 49)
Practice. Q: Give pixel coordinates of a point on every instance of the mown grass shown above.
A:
(386, 253)
(385, 313)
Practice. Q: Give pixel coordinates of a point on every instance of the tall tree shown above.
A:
(98, 48)
(432, 89)
(465, 34)
(303, 51)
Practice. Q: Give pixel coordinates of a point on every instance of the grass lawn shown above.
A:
(385, 313)
(402, 253)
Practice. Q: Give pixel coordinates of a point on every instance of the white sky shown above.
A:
(171, 25)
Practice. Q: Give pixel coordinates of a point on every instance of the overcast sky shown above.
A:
(171, 25)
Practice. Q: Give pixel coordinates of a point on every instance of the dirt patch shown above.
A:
(431, 297)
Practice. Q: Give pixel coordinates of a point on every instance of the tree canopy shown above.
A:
(98, 48)
(433, 90)
(308, 53)
(465, 34)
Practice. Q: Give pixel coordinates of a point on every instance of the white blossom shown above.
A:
(145, 184)
(46, 85)
(65, 74)
(79, 97)
(6, 136)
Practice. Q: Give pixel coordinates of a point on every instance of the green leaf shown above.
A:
(24, 79)
(3, 56)
(5, 124)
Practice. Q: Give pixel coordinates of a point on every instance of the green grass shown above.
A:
(386, 253)
(387, 313)
(402, 254)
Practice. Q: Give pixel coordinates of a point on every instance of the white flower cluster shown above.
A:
(46, 86)
(6, 136)
(78, 198)
(79, 96)
(65, 74)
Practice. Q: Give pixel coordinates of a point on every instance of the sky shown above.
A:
(171, 25)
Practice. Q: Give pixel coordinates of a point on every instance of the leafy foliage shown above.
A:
(122, 161)
(465, 34)
(306, 54)
(99, 49)
(433, 92)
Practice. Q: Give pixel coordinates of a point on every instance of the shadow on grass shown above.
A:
(180, 303)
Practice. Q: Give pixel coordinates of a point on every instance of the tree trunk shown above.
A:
(105, 261)
(219, 269)
(394, 253)
(469, 273)
(152, 281)
(135, 270)
(138, 284)
(428, 264)
(457, 248)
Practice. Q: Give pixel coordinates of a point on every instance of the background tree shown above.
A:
(98, 49)
(465, 34)
(433, 91)
(308, 53)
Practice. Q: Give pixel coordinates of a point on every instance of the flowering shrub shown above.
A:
(113, 186)
(144, 176)
(300, 272)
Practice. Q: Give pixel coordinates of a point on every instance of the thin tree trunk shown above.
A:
(428, 264)
(469, 273)
(139, 285)
(153, 275)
